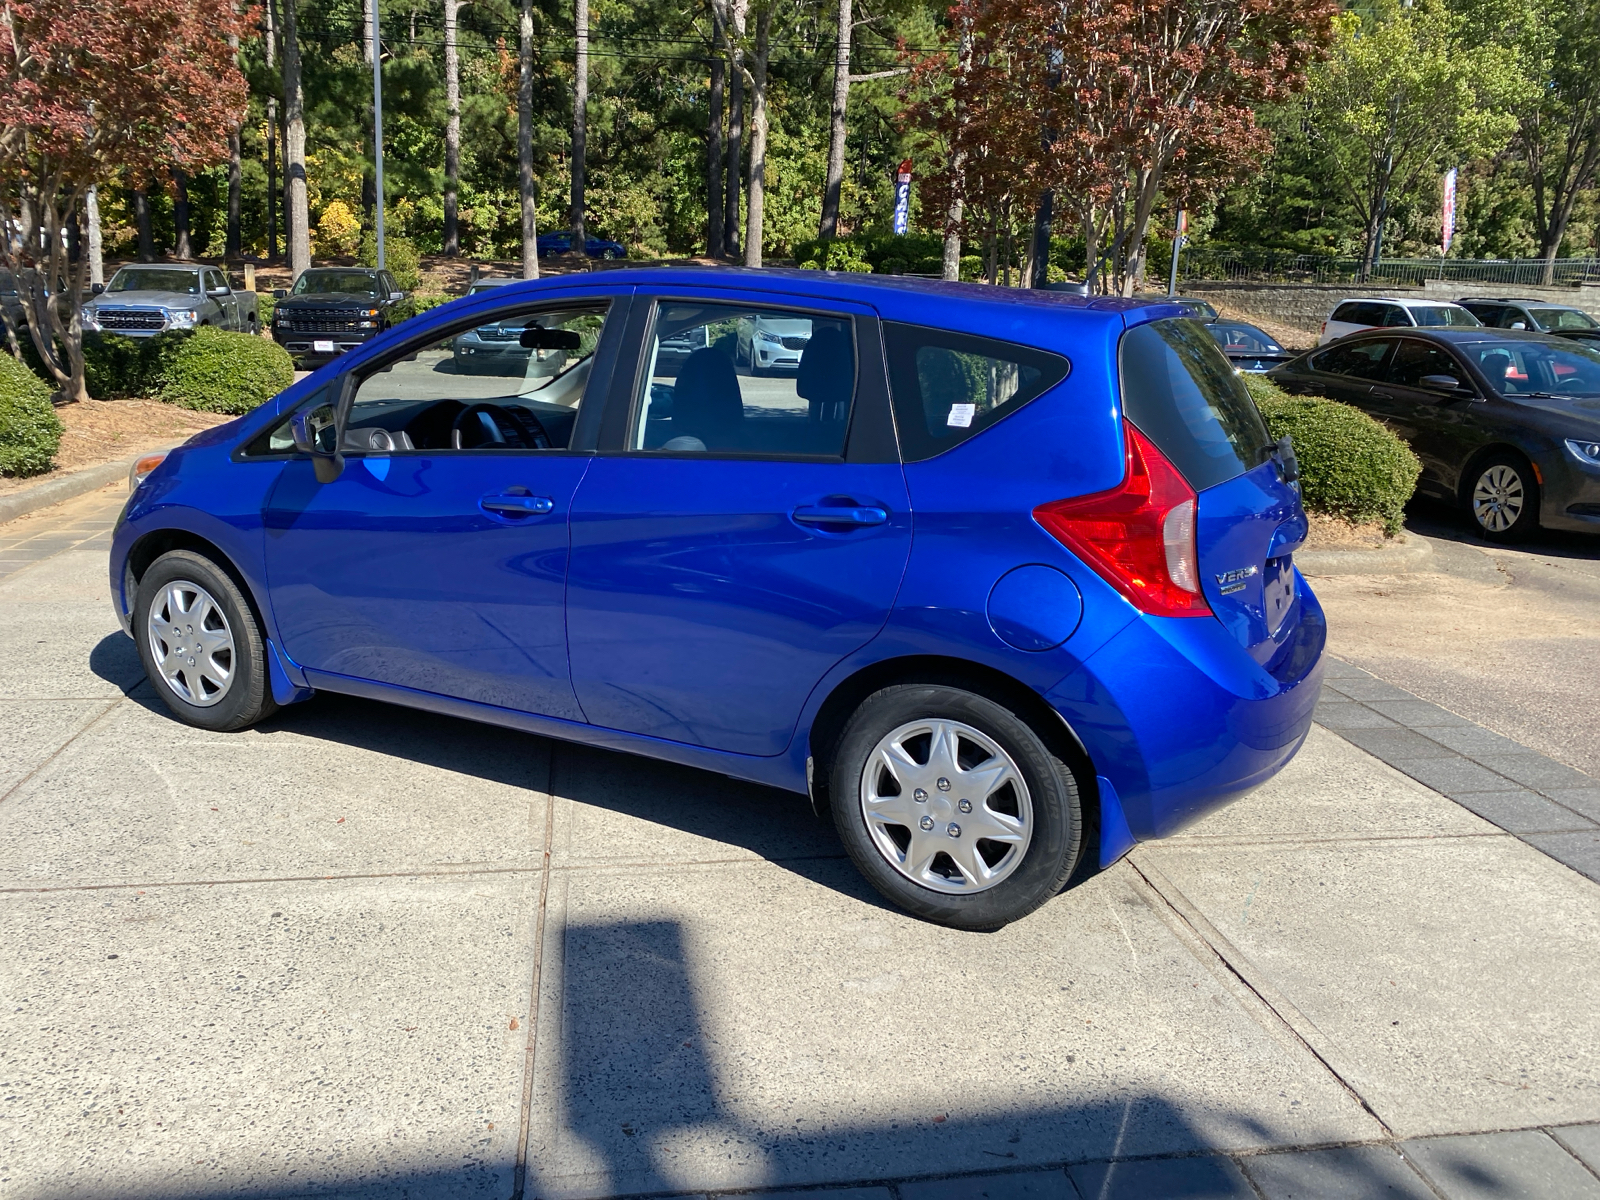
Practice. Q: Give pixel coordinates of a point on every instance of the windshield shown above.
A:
(1528, 368)
(1242, 339)
(1442, 314)
(1562, 318)
(155, 279)
(1182, 394)
(315, 283)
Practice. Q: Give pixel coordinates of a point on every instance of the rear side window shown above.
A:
(1364, 360)
(949, 386)
(1180, 391)
(1359, 312)
(1436, 315)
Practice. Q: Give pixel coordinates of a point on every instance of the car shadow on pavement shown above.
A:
(116, 660)
(1436, 519)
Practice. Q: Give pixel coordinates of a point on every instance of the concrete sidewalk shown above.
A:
(368, 952)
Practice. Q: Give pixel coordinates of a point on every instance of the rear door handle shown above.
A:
(817, 514)
(518, 506)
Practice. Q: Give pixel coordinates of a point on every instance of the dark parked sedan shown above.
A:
(1249, 349)
(551, 244)
(1506, 423)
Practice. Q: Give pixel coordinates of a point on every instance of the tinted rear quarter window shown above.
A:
(949, 386)
(1180, 391)
(1364, 360)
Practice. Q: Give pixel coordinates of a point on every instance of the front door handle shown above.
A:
(818, 514)
(518, 506)
(1381, 395)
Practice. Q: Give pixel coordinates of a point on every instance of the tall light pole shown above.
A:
(377, 128)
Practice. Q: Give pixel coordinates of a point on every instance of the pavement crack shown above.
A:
(1300, 1028)
(530, 1053)
(59, 750)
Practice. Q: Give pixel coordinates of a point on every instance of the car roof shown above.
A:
(341, 270)
(497, 282)
(1518, 300)
(1402, 300)
(1457, 335)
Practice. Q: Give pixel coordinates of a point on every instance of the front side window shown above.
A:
(1363, 360)
(725, 379)
(1414, 361)
(947, 387)
(513, 383)
(1180, 391)
(1394, 317)
(156, 279)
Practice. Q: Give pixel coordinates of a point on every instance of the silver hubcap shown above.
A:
(191, 643)
(1498, 499)
(946, 806)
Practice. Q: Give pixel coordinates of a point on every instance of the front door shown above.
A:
(748, 529)
(1434, 420)
(437, 560)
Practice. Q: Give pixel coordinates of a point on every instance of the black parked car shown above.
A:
(332, 309)
(1506, 423)
(1251, 350)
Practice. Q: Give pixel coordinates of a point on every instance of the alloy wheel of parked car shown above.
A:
(200, 643)
(953, 807)
(1504, 500)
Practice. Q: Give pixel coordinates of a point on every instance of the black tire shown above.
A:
(247, 697)
(1057, 812)
(1501, 487)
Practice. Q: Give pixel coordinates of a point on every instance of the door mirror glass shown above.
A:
(280, 293)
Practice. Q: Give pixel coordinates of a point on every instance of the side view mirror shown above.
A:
(316, 432)
(280, 293)
(220, 291)
(96, 288)
(1444, 383)
(1518, 325)
(397, 295)
(550, 339)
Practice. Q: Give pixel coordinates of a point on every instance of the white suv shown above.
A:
(1388, 312)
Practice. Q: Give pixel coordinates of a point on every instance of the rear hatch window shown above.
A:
(1182, 393)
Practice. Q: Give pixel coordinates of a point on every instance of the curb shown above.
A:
(64, 487)
(1408, 553)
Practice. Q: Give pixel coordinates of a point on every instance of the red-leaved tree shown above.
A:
(88, 88)
(1111, 104)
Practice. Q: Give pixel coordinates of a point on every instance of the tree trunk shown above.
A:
(180, 215)
(97, 258)
(269, 46)
(758, 142)
(141, 220)
(580, 122)
(1039, 252)
(714, 211)
(294, 157)
(834, 179)
(530, 230)
(950, 265)
(452, 129)
(231, 242)
(735, 161)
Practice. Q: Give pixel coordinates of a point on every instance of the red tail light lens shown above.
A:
(1138, 535)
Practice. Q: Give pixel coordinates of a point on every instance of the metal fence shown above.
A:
(1198, 263)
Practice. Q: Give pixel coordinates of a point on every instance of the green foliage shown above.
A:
(112, 366)
(400, 256)
(215, 370)
(30, 431)
(415, 303)
(1350, 466)
(836, 254)
(266, 305)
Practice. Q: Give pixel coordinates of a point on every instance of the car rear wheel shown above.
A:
(1503, 498)
(953, 807)
(200, 644)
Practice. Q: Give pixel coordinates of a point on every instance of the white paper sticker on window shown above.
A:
(961, 415)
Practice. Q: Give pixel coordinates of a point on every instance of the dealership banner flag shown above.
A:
(1449, 217)
(902, 197)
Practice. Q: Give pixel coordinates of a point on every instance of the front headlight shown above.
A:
(91, 320)
(182, 318)
(769, 337)
(1584, 451)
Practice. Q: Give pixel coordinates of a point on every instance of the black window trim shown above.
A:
(350, 381)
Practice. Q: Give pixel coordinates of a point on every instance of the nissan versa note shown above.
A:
(1002, 580)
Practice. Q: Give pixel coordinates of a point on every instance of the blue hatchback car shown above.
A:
(1002, 579)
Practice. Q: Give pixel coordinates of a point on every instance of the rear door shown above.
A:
(1180, 392)
(740, 533)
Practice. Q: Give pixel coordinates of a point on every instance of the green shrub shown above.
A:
(30, 431)
(266, 305)
(417, 302)
(1350, 466)
(833, 254)
(215, 370)
(113, 367)
(400, 256)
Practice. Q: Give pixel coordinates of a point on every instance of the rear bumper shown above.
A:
(1181, 720)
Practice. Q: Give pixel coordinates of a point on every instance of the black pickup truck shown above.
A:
(332, 309)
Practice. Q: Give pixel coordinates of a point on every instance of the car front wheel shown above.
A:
(953, 807)
(1503, 498)
(200, 644)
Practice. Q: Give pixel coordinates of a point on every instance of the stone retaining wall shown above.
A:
(1307, 305)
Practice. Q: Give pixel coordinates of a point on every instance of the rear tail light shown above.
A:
(1323, 330)
(1138, 535)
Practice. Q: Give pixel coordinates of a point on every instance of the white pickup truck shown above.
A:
(147, 299)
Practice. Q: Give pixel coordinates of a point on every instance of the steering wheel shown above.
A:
(497, 425)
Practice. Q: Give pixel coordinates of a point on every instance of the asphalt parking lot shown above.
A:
(362, 951)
